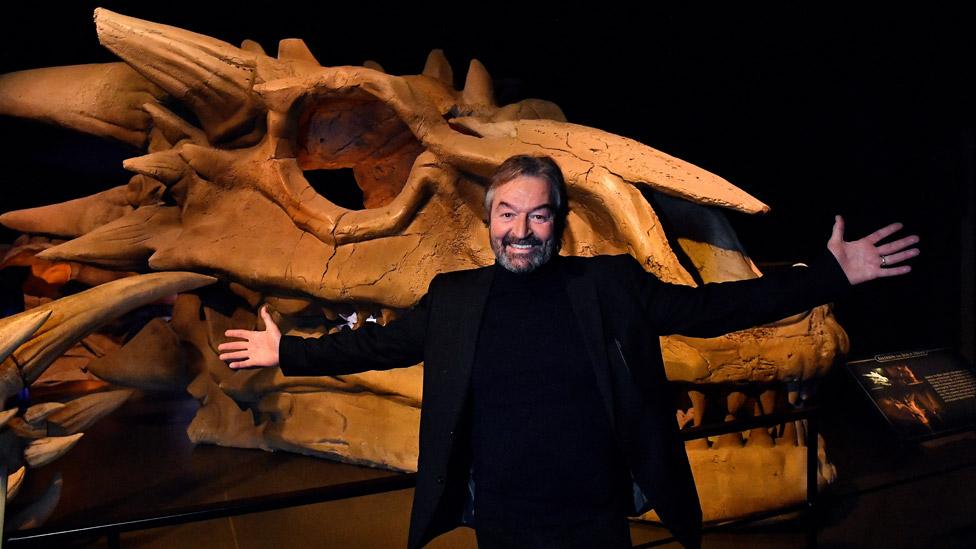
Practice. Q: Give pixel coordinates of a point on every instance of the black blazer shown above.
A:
(621, 310)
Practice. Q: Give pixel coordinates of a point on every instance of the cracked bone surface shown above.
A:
(231, 193)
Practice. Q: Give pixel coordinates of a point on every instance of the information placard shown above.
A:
(922, 394)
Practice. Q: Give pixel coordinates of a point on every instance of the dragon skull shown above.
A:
(236, 141)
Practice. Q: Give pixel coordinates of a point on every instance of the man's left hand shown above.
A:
(865, 259)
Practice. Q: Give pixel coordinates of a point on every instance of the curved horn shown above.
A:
(213, 78)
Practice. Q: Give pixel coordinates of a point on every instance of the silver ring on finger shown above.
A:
(884, 261)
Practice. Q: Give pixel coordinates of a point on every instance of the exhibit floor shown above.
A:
(888, 494)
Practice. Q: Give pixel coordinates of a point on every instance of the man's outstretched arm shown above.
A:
(372, 347)
(715, 309)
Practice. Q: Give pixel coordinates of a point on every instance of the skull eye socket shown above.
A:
(338, 186)
(358, 135)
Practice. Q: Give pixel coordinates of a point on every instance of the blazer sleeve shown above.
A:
(719, 308)
(372, 347)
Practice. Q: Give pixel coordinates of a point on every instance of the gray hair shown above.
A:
(544, 168)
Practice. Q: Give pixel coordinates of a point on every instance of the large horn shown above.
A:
(124, 244)
(213, 78)
(104, 100)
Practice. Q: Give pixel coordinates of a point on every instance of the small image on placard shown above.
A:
(922, 394)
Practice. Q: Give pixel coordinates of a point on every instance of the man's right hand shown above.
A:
(258, 349)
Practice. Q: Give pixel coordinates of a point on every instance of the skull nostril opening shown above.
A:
(338, 186)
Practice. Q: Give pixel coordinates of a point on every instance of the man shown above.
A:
(546, 419)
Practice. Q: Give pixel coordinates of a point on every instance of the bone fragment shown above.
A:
(14, 481)
(42, 451)
(39, 412)
(80, 413)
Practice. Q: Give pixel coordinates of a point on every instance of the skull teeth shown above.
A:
(741, 404)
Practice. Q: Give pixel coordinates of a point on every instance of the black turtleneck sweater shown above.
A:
(542, 444)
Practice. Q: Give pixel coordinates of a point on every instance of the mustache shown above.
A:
(530, 240)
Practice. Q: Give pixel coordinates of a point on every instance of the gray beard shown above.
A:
(539, 256)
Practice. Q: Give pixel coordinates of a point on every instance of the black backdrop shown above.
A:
(814, 111)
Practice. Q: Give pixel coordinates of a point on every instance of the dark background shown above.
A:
(814, 111)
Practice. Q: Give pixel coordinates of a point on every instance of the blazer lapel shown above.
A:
(586, 306)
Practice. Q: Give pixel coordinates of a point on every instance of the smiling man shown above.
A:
(546, 420)
(525, 225)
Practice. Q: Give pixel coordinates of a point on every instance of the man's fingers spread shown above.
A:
(244, 334)
(883, 232)
(235, 355)
(837, 233)
(233, 346)
(905, 269)
(901, 256)
(897, 245)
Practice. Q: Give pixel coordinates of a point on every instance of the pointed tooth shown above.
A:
(39, 412)
(15, 330)
(296, 49)
(253, 47)
(698, 408)
(728, 440)
(79, 314)
(767, 402)
(124, 244)
(478, 88)
(801, 432)
(14, 481)
(760, 438)
(387, 315)
(81, 413)
(7, 415)
(42, 451)
(330, 314)
(27, 430)
(213, 78)
(370, 64)
(438, 67)
(166, 166)
(72, 218)
(684, 417)
(174, 128)
(789, 434)
(735, 401)
(251, 297)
